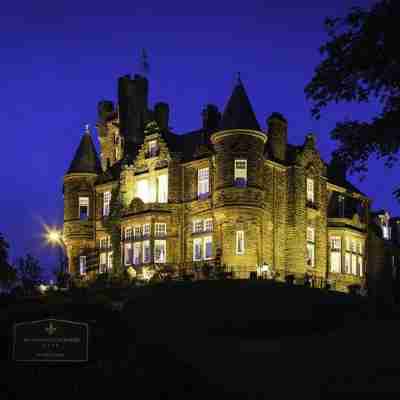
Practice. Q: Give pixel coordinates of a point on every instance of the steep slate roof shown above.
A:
(85, 159)
(238, 113)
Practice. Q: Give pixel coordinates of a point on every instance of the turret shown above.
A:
(277, 136)
(79, 202)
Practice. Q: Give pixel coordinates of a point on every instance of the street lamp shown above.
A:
(55, 237)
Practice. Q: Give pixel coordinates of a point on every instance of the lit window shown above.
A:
(347, 263)
(162, 188)
(359, 247)
(160, 229)
(336, 243)
(103, 262)
(128, 253)
(197, 226)
(146, 230)
(353, 245)
(110, 261)
(310, 190)
(142, 190)
(197, 249)
(347, 244)
(117, 153)
(354, 264)
(386, 232)
(341, 206)
(153, 148)
(207, 242)
(146, 251)
(208, 225)
(336, 255)
(360, 265)
(241, 173)
(82, 265)
(160, 251)
(310, 247)
(203, 182)
(83, 208)
(106, 203)
(105, 243)
(239, 242)
(128, 233)
(137, 252)
(137, 232)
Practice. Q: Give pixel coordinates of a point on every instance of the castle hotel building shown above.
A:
(231, 190)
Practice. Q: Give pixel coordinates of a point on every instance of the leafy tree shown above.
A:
(361, 64)
(7, 272)
(29, 271)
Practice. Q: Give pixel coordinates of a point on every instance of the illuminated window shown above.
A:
(142, 190)
(160, 251)
(310, 246)
(153, 148)
(146, 230)
(137, 232)
(106, 203)
(336, 255)
(110, 261)
(386, 232)
(360, 265)
(128, 233)
(162, 188)
(347, 263)
(197, 226)
(82, 265)
(240, 173)
(354, 264)
(203, 182)
(197, 249)
(146, 251)
(105, 243)
(239, 242)
(341, 206)
(310, 190)
(207, 245)
(137, 252)
(208, 225)
(128, 253)
(160, 229)
(103, 262)
(83, 208)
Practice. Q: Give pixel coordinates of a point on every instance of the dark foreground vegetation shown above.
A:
(226, 339)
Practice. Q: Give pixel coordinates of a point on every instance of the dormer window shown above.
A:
(153, 148)
(386, 232)
(240, 173)
(341, 206)
(310, 191)
(83, 208)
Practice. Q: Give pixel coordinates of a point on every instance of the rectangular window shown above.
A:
(336, 255)
(239, 242)
(197, 249)
(208, 225)
(240, 173)
(103, 262)
(110, 261)
(137, 252)
(153, 148)
(360, 265)
(82, 265)
(128, 233)
(105, 243)
(310, 247)
(347, 244)
(106, 203)
(137, 232)
(353, 245)
(207, 242)
(83, 208)
(146, 251)
(160, 229)
(142, 190)
(160, 251)
(203, 182)
(146, 230)
(162, 188)
(341, 206)
(128, 253)
(354, 264)
(347, 263)
(310, 190)
(197, 226)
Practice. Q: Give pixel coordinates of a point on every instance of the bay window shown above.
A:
(160, 251)
(240, 173)
(197, 256)
(146, 251)
(207, 244)
(336, 254)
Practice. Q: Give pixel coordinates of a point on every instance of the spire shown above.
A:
(144, 66)
(238, 113)
(85, 159)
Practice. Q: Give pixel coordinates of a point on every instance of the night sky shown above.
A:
(59, 58)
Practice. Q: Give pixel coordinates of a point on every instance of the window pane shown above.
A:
(336, 261)
(146, 230)
(163, 188)
(137, 252)
(310, 234)
(203, 181)
(360, 265)
(239, 242)
(82, 265)
(146, 251)
(128, 253)
(160, 249)
(197, 249)
(310, 254)
(83, 207)
(336, 243)
(197, 226)
(137, 232)
(160, 229)
(142, 190)
(347, 262)
(208, 225)
(310, 189)
(354, 264)
(110, 261)
(207, 247)
(106, 203)
(240, 172)
(128, 233)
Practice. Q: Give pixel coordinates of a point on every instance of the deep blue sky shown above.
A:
(59, 58)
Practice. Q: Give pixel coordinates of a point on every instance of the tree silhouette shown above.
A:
(7, 272)
(29, 271)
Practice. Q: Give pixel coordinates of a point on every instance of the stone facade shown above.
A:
(262, 200)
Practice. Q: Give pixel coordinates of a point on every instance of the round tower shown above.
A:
(80, 204)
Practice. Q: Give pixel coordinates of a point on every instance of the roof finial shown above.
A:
(87, 131)
(144, 63)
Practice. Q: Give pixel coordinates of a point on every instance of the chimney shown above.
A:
(161, 115)
(277, 135)
(337, 168)
(211, 117)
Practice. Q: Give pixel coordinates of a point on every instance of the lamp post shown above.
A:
(55, 237)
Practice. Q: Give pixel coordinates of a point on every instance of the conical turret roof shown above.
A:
(238, 113)
(85, 159)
